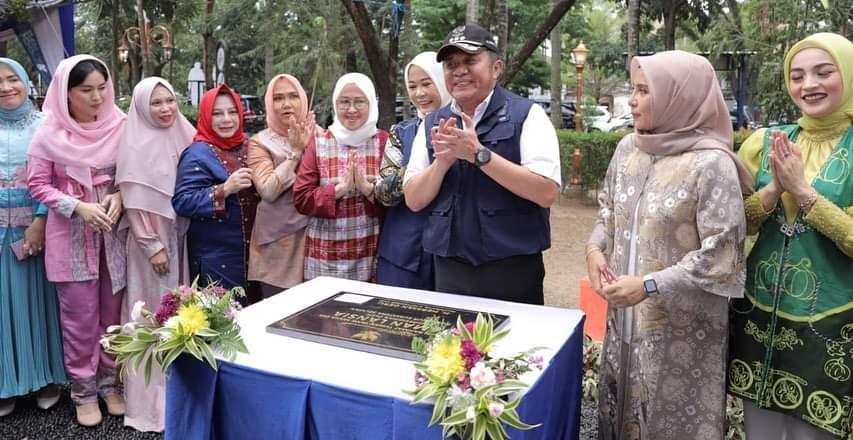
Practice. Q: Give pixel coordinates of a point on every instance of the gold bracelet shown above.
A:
(807, 205)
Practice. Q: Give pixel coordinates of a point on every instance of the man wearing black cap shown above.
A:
(487, 168)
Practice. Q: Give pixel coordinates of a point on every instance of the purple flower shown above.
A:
(169, 303)
(536, 361)
(500, 375)
(465, 382)
(186, 292)
(470, 327)
(219, 290)
(470, 354)
(420, 379)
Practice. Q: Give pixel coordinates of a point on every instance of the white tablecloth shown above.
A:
(532, 326)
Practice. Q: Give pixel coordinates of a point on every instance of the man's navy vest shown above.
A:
(400, 236)
(473, 217)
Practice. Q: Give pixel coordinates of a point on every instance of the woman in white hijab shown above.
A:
(334, 186)
(401, 259)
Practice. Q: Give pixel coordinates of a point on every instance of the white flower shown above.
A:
(113, 328)
(496, 409)
(481, 376)
(136, 313)
(470, 414)
(105, 342)
(128, 328)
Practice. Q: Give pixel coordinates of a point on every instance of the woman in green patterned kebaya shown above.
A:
(792, 342)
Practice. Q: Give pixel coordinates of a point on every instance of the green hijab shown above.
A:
(841, 51)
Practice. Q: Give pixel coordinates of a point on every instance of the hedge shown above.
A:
(596, 149)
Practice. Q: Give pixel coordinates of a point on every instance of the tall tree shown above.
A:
(558, 10)
(633, 30)
(472, 13)
(556, 83)
(207, 44)
(383, 64)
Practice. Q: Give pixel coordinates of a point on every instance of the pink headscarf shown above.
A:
(273, 121)
(148, 155)
(688, 109)
(80, 146)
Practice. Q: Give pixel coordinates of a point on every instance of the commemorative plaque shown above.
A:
(369, 323)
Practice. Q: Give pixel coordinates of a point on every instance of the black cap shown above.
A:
(470, 38)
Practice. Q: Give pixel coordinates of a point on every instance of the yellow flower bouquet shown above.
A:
(475, 392)
(189, 319)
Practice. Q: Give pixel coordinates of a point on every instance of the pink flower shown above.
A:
(186, 292)
(496, 409)
(169, 303)
(470, 327)
(536, 361)
(481, 376)
(219, 290)
(500, 375)
(470, 353)
(465, 383)
(420, 379)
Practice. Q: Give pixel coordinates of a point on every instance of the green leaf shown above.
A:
(480, 427)
(455, 418)
(439, 409)
(425, 392)
(511, 419)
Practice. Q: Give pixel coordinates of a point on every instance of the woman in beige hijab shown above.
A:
(667, 254)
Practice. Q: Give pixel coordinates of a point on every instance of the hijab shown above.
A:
(273, 121)
(205, 132)
(359, 136)
(841, 51)
(435, 71)
(148, 154)
(79, 146)
(16, 114)
(687, 109)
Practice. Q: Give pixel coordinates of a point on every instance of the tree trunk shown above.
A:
(502, 8)
(669, 27)
(556, 82)
(488, 14)
(143, 39)
(207, 44)
(561, 7)
(382, 65)
(472, 13)
(633, 32)
(114, 61)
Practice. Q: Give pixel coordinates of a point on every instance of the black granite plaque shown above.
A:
(369, 323)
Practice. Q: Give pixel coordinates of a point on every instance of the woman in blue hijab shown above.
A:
(30, 338)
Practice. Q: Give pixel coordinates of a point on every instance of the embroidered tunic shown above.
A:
(220, 227)
(792, 345)
(342, 234)
(663, 368)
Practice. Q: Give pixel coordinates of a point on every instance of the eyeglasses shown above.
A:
(359, 104)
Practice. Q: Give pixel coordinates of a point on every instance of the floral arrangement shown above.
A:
(189, 319)
(591, 364)
(475, 392)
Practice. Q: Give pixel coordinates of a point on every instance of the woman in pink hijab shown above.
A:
(154, 137)
(72, 165)
(276, 253)
(667, 255)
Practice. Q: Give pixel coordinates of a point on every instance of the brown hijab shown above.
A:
(688, 109)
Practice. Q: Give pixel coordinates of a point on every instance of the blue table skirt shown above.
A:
(238, 402)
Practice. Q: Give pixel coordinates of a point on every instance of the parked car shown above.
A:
(567, 110)
(254, 115)
(624, 122)
(595, 117)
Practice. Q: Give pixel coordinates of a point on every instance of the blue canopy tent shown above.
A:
(47, 37)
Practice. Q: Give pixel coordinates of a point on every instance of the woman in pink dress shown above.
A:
(72, 163)
(155, 135)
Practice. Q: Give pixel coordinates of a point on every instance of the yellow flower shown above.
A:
(444, 360)
(191, 319)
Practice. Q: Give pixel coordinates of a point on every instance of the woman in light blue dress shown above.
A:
(30, 338)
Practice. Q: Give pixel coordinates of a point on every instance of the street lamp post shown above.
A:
(143, 37)
(579, 55)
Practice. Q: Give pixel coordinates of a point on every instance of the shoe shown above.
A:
(7, 406)
(89, 414)
(115, 404)
(47, 397)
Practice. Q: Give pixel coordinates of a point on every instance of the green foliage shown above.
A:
(17, 9)
(596, 149)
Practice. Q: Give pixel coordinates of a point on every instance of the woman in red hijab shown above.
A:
(214, 190)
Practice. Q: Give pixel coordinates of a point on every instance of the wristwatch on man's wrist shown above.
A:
(482, 157)
(650, 286)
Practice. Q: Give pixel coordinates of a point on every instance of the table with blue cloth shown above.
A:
(288, 388)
